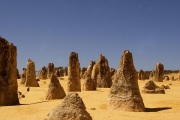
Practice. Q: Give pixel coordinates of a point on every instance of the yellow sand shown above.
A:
(34, 107)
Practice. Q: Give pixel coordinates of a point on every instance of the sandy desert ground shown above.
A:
(34, 107)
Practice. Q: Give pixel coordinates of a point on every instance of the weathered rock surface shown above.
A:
(71, 108)
(55, 90)
(18, 75)
(141, 75)
(83, 70)
(65, 71)
(124, 93)
(61, 72)
(159, 73)
(165, 87)
(8, 73)
(152, 75)
(43, 73)
(57, 74)
(50, 71)
(101, 73)
(88, 82)
(74, 83)
(151, 88)
(31, 75)
(23, 76)
(146, 75)
(112, 72)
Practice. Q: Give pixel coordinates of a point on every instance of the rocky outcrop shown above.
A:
(146, 74)
(141, 75)
(151, 88)
(88, 82)
(30, 75)
(74, 83)
(159, 73)
(83, 70)
(124, 93)
(18, 75)
(101, 73)
(8, 74)
(152, 75)
(65, 71)
(165, 87)
(61, 72)
(50, 71)
(43, 73)
(23, 76)
(71, 108)
(112, 72)
(55, 90)
(57, 74)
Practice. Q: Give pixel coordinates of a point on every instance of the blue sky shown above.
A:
(48, 30)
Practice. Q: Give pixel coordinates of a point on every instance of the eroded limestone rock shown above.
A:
(31, 75)
(124, 93)
(101, 73)
(50, 71)
(71, 108)
(74, 83)
(23, 76)
(159, 73)
(151, 88)
(83, 70)
(8, 73)
(43, 73)
(55, 90)
(141, 75)
(88, 82)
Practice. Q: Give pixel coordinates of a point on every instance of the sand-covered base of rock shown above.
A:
(35, 107)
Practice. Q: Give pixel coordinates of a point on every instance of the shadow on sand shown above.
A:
(34, 103)
(157, 109)
(24, 104)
